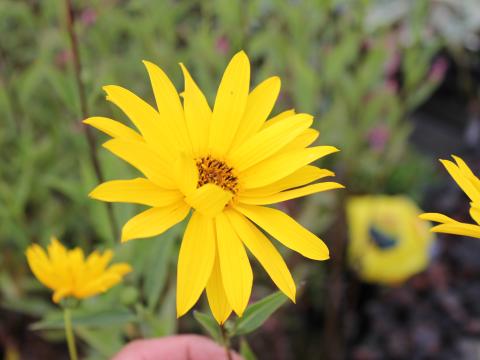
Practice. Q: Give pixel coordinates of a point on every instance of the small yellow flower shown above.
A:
(225, 164)
(470, 184)
(68, 273)
(388, 243)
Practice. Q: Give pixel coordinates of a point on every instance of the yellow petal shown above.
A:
(197, 114)
(108, 280)
(265, 252)
(475, 212)
(102, 281)
(96, 263)
(137, 191)
(145, 118)
(291, 194)
(195, 261)
(139, 155)
(56, 251)
(120, 269)
(260, 103)
(169, 105)
(436, 217)
(40, 265)
(235, 268)
(462, 181)
(76, 265)
(209, 199)
(268, 141)
(467, 172)
(283, 115)
(306, 138)
(230, 104)
(58, 260)
(113, 128)
(185, 173)
(286, 230)
(154, 221)
(301, 177)
(61, 293)
(217, 299)
(458, 229)
(281, 165)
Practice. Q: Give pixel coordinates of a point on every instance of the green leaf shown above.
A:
(257, 313)
(167, 314)
(33, 306)
(162, 322)
(106, 341)
(97, 318)
(157, 268)
(209, 324)
(246, 351)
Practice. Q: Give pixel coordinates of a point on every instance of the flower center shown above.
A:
(382, 239)
(213, 171)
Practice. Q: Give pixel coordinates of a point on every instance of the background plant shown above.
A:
(361, 80)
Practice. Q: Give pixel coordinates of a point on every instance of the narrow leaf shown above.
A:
(157, 269)
(246, 351)
(257, 313)
(107, 341)
(209, 324)
(87, 319)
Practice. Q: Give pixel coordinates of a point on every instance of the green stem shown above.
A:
(226, 342)
(72, 350)
(77, 66)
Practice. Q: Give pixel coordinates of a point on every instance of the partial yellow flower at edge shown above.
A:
(69, 274)
(224, 165)
(470, 184)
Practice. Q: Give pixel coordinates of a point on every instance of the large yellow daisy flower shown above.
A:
(224, 164)
(470, 184)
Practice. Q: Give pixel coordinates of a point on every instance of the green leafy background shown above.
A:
(332, 64)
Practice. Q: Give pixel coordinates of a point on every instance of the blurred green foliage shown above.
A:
(361, 82)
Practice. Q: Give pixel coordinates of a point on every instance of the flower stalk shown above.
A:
(72, 349)
(226, 342)
(84, 106)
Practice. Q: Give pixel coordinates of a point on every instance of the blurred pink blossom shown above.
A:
(88, 17)
(438, 70)
(378, 137)
(368, 43)
(63, 57)
(391, 85)
(222, 45)
(392, 64)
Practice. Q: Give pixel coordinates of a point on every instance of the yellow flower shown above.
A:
(225, 164)
(388, 243)
(68, 273)
(470, 184)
